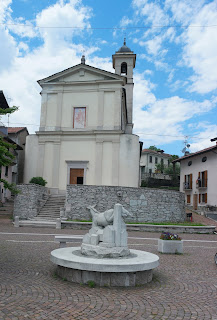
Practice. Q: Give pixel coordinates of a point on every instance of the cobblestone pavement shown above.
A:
(183, 286)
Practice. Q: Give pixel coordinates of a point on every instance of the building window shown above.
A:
(202, 179)
(204, 159)
(150, 159)
(203, 198)
(143, 169)
(188, 198)
(168, 162)
(189, 163)
(150, 170)
(188, 181)
(124, 68)
(79, 118)
(156, 160)
(162, 162)
(6, 171)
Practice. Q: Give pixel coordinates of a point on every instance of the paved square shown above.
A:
(183, 287)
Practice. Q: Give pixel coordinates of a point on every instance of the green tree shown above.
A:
(6, 157)
(154, 148)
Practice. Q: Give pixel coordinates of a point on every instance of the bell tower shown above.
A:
(124, 61)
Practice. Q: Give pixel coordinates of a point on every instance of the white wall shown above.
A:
(129, 160)
(198, 166)
(31, 157)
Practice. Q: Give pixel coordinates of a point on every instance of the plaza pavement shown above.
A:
(183, 286)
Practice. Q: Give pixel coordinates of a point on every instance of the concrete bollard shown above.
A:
(58, 223)
(16, 222)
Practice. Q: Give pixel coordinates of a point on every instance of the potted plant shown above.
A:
(170, 243)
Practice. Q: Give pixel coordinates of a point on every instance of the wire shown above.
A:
(147, 134)
(110, 28)
(169, 135)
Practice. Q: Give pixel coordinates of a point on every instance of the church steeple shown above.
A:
(124, 61)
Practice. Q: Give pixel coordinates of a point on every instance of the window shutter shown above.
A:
(188, 198)
(205, 177)
(199, 198)
(205, 196)
(198, 175)
(185, 178)
(191, 181)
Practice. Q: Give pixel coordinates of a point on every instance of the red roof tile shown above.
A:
(156, 152)
(15, 129)
(196, 153)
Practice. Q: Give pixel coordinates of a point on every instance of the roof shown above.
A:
(16, 129)
(124, 48)
(196, 153)
(115, 76)
(5, 137)
(3, 101)
(156, 152)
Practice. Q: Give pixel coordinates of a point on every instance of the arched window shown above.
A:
(124, 68)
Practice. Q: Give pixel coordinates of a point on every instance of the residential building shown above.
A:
(18, 135)
(6, 172)
(198, 178)
(148, 161)
(85, 134)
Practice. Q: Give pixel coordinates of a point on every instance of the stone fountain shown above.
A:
(104, 257)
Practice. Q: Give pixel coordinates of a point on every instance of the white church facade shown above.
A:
(85, 134)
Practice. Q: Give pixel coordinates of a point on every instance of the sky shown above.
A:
(175, 78)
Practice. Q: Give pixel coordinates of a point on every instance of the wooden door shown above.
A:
(195, 201)
(76, 176)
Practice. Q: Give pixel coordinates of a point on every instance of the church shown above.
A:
(85, 135)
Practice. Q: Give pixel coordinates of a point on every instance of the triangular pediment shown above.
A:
(81, 73)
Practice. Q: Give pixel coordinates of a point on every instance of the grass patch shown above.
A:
(192, 224)
(79, 220)
(186, 223)
(91, 284)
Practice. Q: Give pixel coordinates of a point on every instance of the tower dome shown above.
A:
(124, 48)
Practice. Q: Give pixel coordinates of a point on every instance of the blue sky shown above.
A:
(175, 92)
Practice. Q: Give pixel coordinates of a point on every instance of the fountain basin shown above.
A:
(134, 269)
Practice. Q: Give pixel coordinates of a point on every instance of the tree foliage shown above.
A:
(6, 157)
(154, 148)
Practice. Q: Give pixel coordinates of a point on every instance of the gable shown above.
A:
(82, 73)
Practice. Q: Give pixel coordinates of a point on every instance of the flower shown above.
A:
(169, 236)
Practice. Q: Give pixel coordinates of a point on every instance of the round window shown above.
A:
(204, 159)
(189, 163)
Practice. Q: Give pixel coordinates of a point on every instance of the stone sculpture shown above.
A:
(108, 235)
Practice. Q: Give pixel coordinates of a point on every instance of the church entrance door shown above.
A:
(76, 176)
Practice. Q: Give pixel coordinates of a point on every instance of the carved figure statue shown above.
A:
(103, 219)
(108, 235)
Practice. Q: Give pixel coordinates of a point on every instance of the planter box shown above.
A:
(170, 246)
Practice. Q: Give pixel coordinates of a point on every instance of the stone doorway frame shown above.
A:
(76, 165)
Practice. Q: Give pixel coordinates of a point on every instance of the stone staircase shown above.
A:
(6, 209)
(51, 209)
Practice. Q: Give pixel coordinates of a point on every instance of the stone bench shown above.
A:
(64, 239)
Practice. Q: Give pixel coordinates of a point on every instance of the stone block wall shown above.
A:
(29, 201)
(146, 205)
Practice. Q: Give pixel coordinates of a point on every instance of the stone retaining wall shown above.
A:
(29, 201)
(146, 205)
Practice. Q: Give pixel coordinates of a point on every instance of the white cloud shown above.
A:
(71, 14)
(204, 132)
(125, 21)
(161, 117)
(57, 52)
(200, 51)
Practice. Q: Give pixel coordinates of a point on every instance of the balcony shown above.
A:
(187, 186)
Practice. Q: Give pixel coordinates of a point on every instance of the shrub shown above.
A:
(169, 236)
(38, 180)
